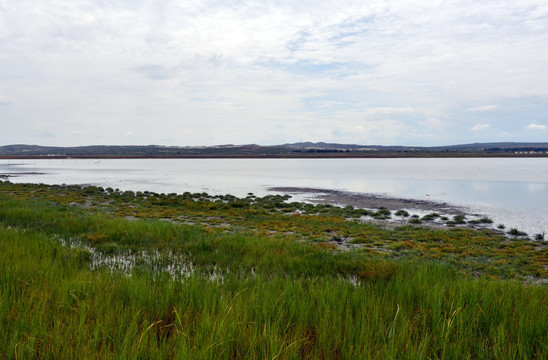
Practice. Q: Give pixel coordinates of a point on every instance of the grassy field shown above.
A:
(100, 273)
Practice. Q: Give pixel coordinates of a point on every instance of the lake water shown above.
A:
(512, 191)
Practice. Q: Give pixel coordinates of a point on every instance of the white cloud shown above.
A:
(388, 110)
(479, 127)
(536, 127)
(6, 100)
(212, 66)
(483, 108)
(368, 132)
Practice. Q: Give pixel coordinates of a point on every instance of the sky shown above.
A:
(189, 73)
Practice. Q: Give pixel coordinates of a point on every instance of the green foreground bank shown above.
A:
(100, 273)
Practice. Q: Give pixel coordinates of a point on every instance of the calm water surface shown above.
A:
(513, 191)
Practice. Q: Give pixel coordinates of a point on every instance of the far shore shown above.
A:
(336, 155)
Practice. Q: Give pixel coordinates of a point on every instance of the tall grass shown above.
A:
(275, 298)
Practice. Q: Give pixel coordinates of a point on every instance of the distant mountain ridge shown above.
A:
(471, 146)
(301, 149)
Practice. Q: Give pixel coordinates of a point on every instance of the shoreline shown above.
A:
(372, 201)
(415, 212)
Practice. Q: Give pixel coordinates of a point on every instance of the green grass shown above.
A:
(270, 286)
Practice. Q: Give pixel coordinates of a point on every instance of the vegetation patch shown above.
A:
(102, 273)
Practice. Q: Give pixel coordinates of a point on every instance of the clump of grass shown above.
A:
(402, 213)
(430, 217)
(483, 220)
(516, 232)
(382, 213)
(459, 219)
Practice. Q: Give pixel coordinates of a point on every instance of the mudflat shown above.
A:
(370, 201)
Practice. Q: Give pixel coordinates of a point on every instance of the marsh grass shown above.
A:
(252, 294)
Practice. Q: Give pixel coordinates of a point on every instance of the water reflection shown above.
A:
(480, 187)
(534, 188)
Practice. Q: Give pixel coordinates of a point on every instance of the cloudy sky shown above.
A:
(405, 72)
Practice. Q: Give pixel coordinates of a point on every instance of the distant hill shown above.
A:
(301, 149)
